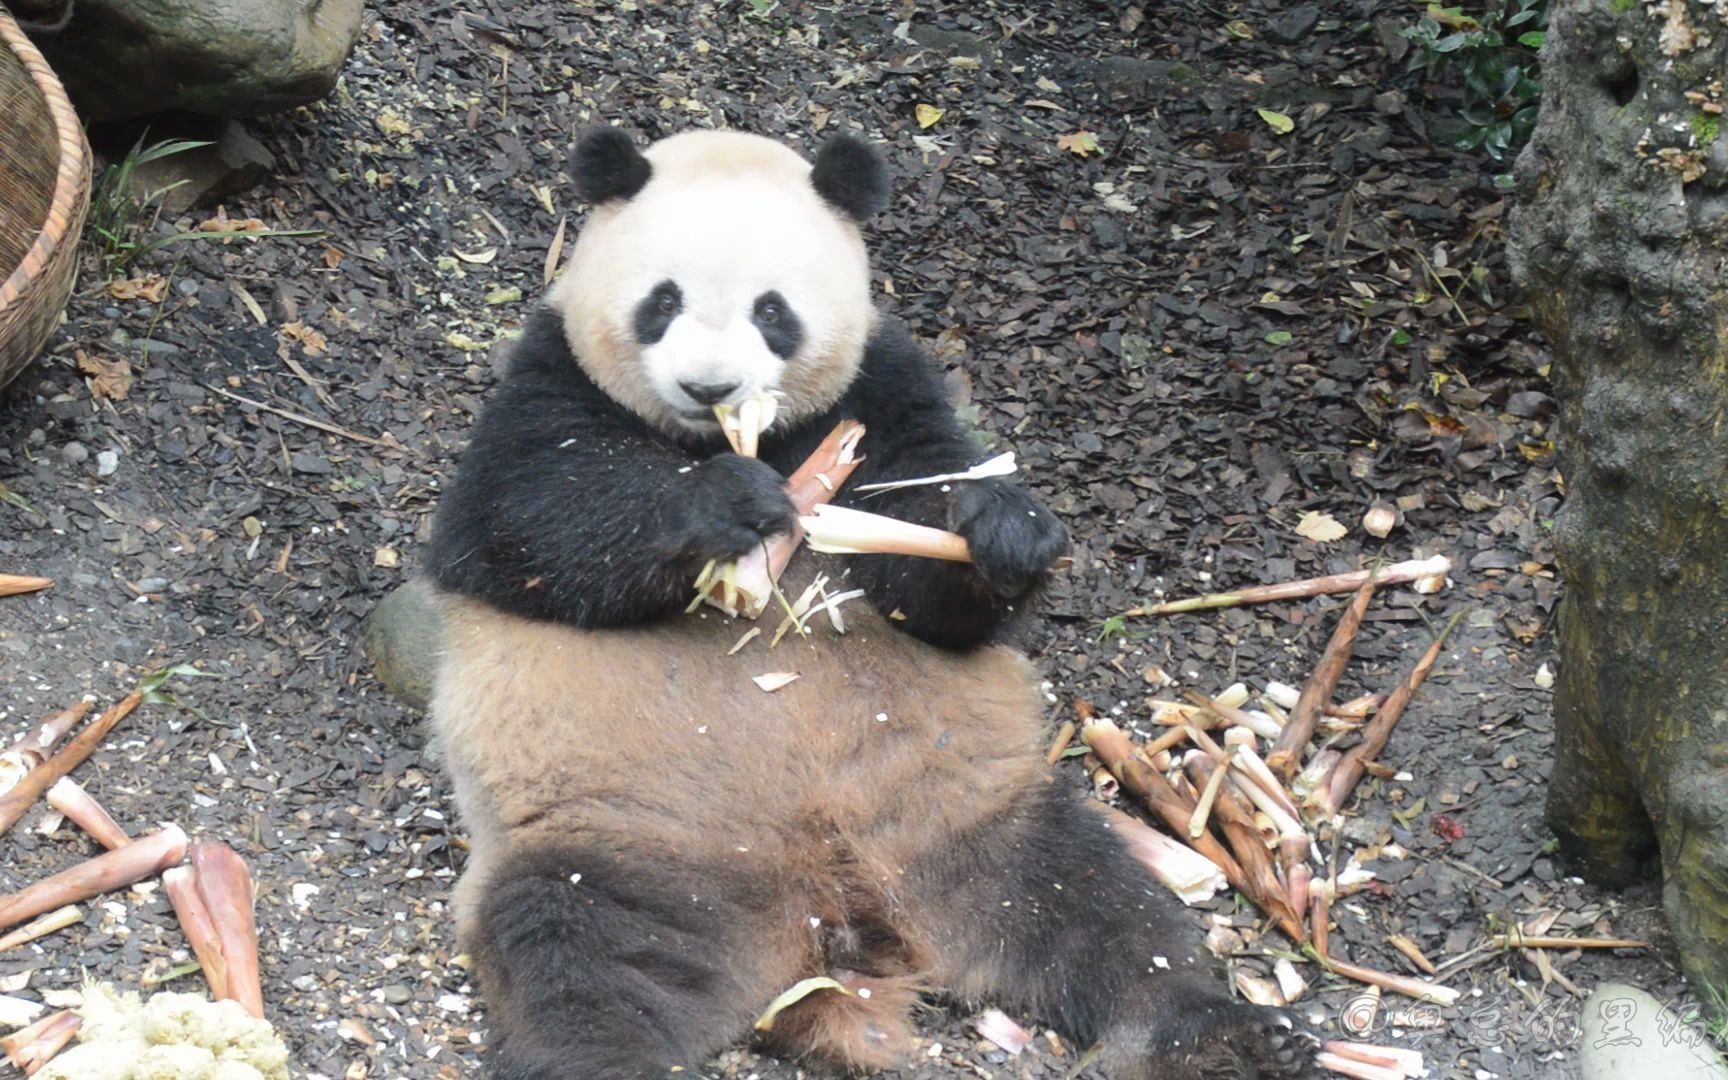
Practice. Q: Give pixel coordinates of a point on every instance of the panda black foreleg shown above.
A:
(1047, 911)
(596, 968)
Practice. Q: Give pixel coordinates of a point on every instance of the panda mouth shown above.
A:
(699, 416)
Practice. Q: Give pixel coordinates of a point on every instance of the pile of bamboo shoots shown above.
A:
(208, 883)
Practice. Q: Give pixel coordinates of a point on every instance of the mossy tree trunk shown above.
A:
(1620, 236)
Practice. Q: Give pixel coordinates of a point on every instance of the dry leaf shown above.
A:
(223, 223)
(111, 379)
(553, 253)
(151, 287)
(390, 122)
(774, 680)
(1277, 121)
(332, 258)
(311, 341)
(250, 303)
(1081, 142)
(927, 115)
(1320, 528)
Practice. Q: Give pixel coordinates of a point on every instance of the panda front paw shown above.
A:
(1014, 539)
(735, 503)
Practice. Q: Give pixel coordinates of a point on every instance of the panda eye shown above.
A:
(666, 304)
(768, 313)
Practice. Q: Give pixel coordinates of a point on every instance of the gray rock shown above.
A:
(124, 58)
(107, 462)
(1626, 1033)
(152, 585)
(1293, 25)
(75, 453)
(233, 163)
(404, 638)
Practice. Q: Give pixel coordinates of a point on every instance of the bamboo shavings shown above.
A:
(1000, 465)
(744, 423)
(774, 680)
(798, 992)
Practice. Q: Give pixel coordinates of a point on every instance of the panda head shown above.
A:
(715, 265)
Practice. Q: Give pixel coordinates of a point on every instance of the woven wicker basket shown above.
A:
(44, 192)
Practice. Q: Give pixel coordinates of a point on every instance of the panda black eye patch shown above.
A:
(780, 329)
(656, 312)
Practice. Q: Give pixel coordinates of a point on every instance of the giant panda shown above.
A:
(658, 848)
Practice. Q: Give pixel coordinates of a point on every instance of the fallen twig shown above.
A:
(1396, 574)
(56, 920)
(142, 858)
(1535, 941)
(14, 584)
(1329, 796)
(309, 421)
(1285, 755)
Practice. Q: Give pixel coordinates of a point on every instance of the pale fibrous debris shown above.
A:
(798, 992)
(1000, 465)
(186, 1036)
(744, 423)
(774, 680)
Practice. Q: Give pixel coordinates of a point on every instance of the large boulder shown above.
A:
(235, 58)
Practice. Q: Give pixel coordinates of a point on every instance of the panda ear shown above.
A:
(851, 176)
(608, 166)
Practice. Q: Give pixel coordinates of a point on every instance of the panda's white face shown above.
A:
(725, 276)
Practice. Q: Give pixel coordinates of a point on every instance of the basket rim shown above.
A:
(69, 176)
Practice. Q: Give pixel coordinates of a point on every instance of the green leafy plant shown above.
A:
(118, 219)
(1492, 49)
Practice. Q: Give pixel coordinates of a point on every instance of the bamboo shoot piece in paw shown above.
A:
(840, 530)
(743, 587)
(142, 858)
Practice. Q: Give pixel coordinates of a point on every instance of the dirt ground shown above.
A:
(1193, 327)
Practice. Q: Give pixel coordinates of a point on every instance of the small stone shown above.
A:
(1294, 25)
(404, 635)
(152, 585)
(1626, 1033)
(304, 983)
(75, 453)
(107, 462)
(398, 994)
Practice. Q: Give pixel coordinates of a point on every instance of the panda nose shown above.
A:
(707, 393)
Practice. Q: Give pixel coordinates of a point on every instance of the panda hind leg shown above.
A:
(599, 968)
(1046, 911)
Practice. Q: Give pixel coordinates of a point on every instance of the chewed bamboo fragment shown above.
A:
(1407, 1062)
(33, 748)
(1409, 986)
(142, 858)
(839, 530)
(1259, 881)
(1000, 465)
(1208, 798)
(1416, 570)
(181, 885)
(1145, 783)
(225, 886)
(84, 811)
(1538, 941)
(16, 803)
(1059, 745)
(1190, 875)
(744, 423)
(32, 1047)
(14, 584)
(53, 922)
